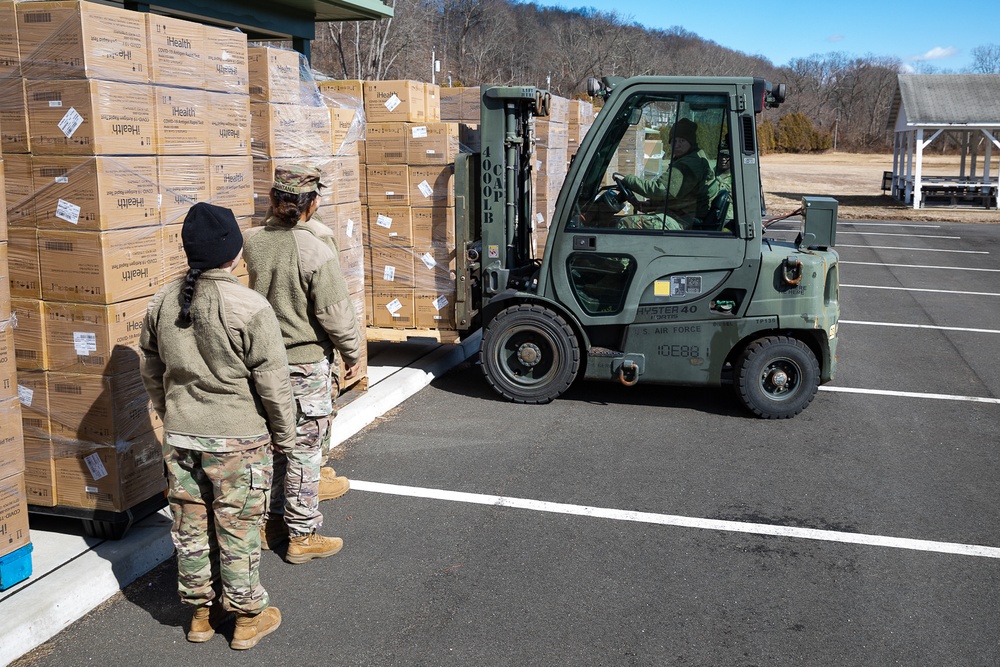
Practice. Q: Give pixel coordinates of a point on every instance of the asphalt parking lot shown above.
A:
(653, 526)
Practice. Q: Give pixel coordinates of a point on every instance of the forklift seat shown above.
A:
(716, 216)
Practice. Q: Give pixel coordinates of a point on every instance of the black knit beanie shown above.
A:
(211, 236)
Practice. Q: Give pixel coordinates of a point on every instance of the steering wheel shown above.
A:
(610, 198)
(625, 190)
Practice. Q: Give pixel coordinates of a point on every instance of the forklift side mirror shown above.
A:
(593, 87)
(636, 117)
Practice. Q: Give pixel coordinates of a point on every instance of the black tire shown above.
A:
(773, 358)
(529, 354)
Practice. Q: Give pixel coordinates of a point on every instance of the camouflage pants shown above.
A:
(217, 500)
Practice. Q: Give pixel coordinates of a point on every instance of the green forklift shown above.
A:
(655, 269)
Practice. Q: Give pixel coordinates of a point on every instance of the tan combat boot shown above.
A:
(204, 622)
(331, 486)
(303, 548)
(251, 629)
(273, 533)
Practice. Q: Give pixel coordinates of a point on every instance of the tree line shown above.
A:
(834, 100)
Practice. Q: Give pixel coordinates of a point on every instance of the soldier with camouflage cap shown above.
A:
(219, 402)
(294, 262)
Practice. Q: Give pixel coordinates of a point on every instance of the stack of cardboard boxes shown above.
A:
(410, 199)
(296, 121)
(15, 548)
(126, 120)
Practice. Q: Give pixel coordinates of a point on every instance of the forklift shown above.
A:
(634, 288)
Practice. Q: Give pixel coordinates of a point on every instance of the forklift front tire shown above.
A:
(529, 354)
(776, 377)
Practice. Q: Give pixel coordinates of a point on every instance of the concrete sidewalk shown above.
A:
(72, 573)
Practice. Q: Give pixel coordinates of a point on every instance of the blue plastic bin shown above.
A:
(15, 567)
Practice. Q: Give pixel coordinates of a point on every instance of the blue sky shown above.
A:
(940, 34)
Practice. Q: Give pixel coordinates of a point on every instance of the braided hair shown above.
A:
(187, 293)
(289, 207)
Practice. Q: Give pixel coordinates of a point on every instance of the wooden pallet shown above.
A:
(402, 335)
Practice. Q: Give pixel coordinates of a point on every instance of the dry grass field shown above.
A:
(855, 180)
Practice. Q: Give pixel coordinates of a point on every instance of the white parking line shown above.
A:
(922, 266)
(681, 521)
(920, 326)
(884, 224)
(920, 289)
(909, 236)
(912, 394)
(892, 247)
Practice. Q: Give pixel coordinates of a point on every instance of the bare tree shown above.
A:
(986, 59)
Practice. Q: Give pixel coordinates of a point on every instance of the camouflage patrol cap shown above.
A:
(297, 179)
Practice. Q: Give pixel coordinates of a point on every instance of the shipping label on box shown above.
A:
(274, 75)
(11, 438)
(432, 186)
(8, 367)
(13, 514)
(90, 117)
(392, 268)
(176, 51)
(95, 193)
(92, 338)
(14, 135)
(434, 225)
(388, 184)
(229, 124)
(385, 143)
(182, 116)
(393, 308)
(352, 265)
(33, 392)
(29, 335)
(434, 309)
(19, 190)
(112, 478)
(183, 182)
(388, 101)
(434, 268)
(99, 409)
(231, 184)
(226, 62)
(100, 267)
(62, 40)
(432, 144)
(390, 226)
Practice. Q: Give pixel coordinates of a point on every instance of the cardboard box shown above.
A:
(346, 220)
(362, 306)
(388, 184)
(99, 409)
(11, 438)
(393, 309)
(434, 309)
(174, 257)
(551, 135)
(33, 392)
(388, 101)
(434, 226)
(19, 190)
(4, 283)
(385, 143)
(13, 514)
(348, 93)
(432, 185)
(347, 129)
(274, 75)
(228, 124)
(90, 117)
(22, 264)
(551, 161)
(369, 311)
(10, 58)
(432, 102)
(112, 478)
(8, 366)
(575, 135)
(392, 267)
(100, 267)
(432, 144)
(231, 184)
(434, 269)
(39, 472)
(95, 193)
(558, 109)
(580, 112)
(14, 136)
(227, 67)
(62, 40)
(3, 206)
(93, 338)
(283, 130)
(352, 265)
(342, 177)
(183, 182)
(182, 120)
(176, 51)
(390, 226)
(29, 335)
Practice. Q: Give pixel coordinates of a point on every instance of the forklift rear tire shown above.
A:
(776, 377)
(529, 354)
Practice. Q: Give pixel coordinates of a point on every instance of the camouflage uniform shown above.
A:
(218, 545)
